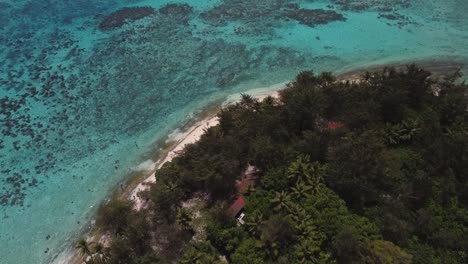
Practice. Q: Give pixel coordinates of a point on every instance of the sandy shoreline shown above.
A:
(189, 137)
(192, 135)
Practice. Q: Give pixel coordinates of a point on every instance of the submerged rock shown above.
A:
(122, 16)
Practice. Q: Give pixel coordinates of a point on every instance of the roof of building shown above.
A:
(334, 125)
(237, 206)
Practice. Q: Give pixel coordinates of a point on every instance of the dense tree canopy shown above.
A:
(374, 171)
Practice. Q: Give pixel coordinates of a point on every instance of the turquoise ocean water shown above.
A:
(88, 86)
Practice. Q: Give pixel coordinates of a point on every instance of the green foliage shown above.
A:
(84, 247)
(445, 226)
(401, 133)
(309, 251)
(387, 184)
(200, 253)
(275, 179)
(120, 251)
(264, 153)
(137, 234)
(357, 168)
(384, 252)
(225, 238)
(254, 223)
(249, 252)
(184, 218)
(259, 200)
(281, 201)
(277, 229)
(114, 216)
(148, 259)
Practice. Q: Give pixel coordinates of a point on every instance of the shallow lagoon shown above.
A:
(82, 105)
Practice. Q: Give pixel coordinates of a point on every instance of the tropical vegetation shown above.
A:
(368, 171)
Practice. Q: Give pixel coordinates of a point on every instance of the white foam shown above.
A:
(148, 165)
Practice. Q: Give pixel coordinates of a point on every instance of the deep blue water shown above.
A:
(84, 93)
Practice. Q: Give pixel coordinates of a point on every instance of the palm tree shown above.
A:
(249, 102)
(84, 247)
(269, 101)
(314, 177)
(298, 214)
(184, 218)
(327, 78)
(272, 248)
(96, 261)
(191, 257)
(307, 251)
(299, 168)
(281, 200)
(170, 187)
(315, 172)
(310, 173)
(305, 229)
(402, 132)
(85, 250)
(366, 76)
(101, 253)
(98, 249)
(300, 189)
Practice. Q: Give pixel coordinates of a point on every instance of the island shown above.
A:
(368, 170)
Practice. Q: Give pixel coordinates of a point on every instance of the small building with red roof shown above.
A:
(244, 185)
(333, 125)
(236, 210)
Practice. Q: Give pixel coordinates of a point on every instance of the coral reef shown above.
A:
(180, 13)
(122, 16)
(259, 17)
(180, 10)
(396, 19)
(387, 9)
(378, 5)
(314, 17)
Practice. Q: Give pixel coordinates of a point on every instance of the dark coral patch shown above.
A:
(387, 9)
(15, 194)
(176, 10)
(122, 16)
(314, 17)
(396, 19)
(259, 17)
(353, 5)
(379, 5)
(253, 12)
